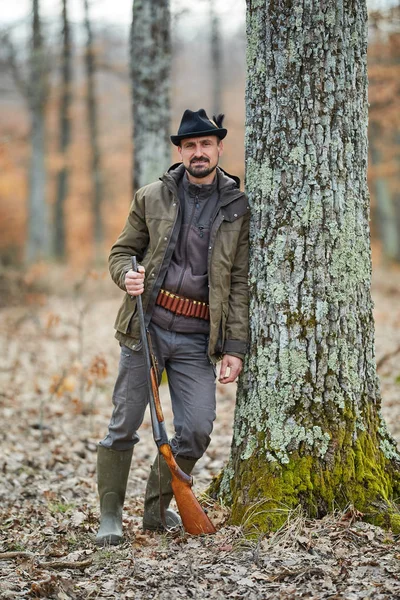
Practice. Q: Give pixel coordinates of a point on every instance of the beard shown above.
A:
(200, 169)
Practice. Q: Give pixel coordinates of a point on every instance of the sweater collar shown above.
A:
(199, 190)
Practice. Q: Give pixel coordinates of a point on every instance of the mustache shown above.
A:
(197, 160)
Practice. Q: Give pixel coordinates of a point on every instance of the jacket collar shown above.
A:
(201, 191)
(228, 185)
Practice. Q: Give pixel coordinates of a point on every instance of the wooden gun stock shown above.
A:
(194, 519)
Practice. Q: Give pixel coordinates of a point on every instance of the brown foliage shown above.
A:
(48, 500)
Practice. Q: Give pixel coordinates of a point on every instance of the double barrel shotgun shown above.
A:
(194, 519)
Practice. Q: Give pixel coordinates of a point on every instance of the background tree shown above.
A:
(92, 112)
(37, 242)
(150, 72)
(64, 136)
(216, 60)
(384, 198)
(384, 130)
(113, 97)
(308, 428)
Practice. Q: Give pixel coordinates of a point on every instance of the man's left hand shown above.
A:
(235, 365)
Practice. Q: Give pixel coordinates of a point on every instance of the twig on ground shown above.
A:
(52, 564)
(66, 564)
(15, 554)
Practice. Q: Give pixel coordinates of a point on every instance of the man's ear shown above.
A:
(221, 148)
(180, 151)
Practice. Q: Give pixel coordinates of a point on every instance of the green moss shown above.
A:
(395, 523)
(264, 493)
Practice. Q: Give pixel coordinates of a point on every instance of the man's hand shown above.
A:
(134, 282)
(235, 365)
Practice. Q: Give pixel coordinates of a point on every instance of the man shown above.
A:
(189, 231)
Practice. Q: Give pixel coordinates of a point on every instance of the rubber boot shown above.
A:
(152, 511)
(112, 477)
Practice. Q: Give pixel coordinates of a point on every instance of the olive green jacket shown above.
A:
(150, 233)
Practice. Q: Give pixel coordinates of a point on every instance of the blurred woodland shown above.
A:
(78, 81)
(66, 123)
(70, 160)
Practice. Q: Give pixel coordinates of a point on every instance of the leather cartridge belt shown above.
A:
(180, 305)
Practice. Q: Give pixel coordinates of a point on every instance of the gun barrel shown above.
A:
(159, 433)
(194, 519)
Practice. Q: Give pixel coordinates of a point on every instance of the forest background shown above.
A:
(59, 359)
(196, 82)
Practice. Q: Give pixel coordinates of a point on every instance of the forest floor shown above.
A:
(58, 363)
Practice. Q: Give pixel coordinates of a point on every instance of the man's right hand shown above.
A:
(134, 282)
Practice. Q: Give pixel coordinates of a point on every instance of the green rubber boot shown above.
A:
(152, 511)
(112, 477)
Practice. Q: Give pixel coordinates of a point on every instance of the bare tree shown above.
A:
(64, 136)
(385, 201)
(308, 429)
(150, 73)
(216, 60)
(384, 125)
(92, 110)
(37, 245)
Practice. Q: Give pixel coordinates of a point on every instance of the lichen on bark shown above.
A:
(308, 428)
(150, 73)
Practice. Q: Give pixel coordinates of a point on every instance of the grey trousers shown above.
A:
(192, 383)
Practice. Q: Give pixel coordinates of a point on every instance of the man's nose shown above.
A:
(199, 151)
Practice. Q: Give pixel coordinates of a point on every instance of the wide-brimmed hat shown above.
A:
(197, 124)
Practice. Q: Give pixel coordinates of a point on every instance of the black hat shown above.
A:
(197, 124)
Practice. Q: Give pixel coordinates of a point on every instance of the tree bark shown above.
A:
(308, 429)
(150, 74)
(97, 176)
(216, 62)
(64, 140)
(37, 231)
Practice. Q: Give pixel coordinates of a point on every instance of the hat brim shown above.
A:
(221, 133)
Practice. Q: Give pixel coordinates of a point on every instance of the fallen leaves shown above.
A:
(77, 518)
(49, 506)
(350, 516)
(43, 588)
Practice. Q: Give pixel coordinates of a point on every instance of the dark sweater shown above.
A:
(187, 273)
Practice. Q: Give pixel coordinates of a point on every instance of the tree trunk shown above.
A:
(216, 67)
(96, 170)
(65, 136)
(396, 198)
(37, 231)
(308, 429)
(150, 73)
(385, 206)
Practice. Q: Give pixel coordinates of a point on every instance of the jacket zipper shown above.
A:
(195, 205)
(176, 199)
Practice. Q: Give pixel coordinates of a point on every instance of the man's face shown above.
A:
(200, 155)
